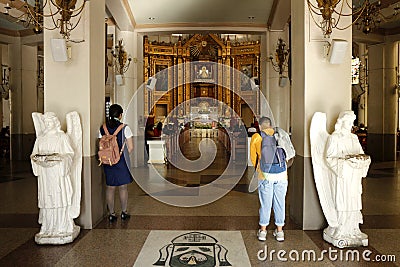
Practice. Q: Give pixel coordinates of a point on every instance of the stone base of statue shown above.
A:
(345, 241)
(58, 239)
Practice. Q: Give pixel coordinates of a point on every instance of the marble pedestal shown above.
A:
(156, 151)
(64, 238)
(344, 242)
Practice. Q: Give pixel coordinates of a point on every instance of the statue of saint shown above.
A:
(339, 165)
(57, 162)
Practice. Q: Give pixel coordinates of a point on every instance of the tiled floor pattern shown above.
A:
(196, 248)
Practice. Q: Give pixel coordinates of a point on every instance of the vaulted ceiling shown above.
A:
(229, 15)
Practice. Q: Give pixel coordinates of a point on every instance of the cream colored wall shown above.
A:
(29, 87)
(279, 97)
(14, 57)
(317, 84)
(78, 84)
(363, 107)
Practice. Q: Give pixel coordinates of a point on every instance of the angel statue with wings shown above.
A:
(339, 164)
(57, 162)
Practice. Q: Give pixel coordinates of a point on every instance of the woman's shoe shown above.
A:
(125, 215)
(112, 218)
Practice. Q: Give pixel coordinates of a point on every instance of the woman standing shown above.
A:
(118, 175)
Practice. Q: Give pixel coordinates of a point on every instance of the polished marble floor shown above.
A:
(121, 243)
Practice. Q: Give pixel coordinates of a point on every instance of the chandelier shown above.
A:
(330, 16)
(365, 15)
(60, 11)
(372, 16)
(121, 58)
(281, 57)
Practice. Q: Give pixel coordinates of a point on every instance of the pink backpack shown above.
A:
(109, 152)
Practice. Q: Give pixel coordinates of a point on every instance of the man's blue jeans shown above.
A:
(272, 194)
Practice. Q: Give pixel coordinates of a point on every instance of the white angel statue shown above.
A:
(57, 162)
(339, 164)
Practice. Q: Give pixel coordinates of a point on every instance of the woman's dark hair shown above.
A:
(114, 112)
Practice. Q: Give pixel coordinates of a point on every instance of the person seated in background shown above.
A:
(158, 130)
(361, 133)
(257, 126)
(149, 131)
(252, 130)
(5, 142)
(361, 129)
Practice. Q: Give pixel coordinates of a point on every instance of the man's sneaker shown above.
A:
(279, 236)
(262, 235)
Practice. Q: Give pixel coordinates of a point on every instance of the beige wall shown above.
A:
(279, 97)
(78, 84)
(29, 87)
(317, 84)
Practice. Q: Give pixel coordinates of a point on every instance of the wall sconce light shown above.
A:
(5, 81)
(121, 58)
(61, 12)
(281, 57)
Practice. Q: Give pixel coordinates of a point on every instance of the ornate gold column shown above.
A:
(187, 86)
(227, 74)
(146, 75)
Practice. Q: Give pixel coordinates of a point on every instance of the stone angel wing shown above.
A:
(38, 123)
(323, 175)
(74, 131)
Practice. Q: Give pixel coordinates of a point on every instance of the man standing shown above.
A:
(272, 182)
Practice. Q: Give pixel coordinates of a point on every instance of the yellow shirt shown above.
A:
(255, 155)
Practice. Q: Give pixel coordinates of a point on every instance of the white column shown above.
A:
(78, 84)
(317, 85)
(382, 101)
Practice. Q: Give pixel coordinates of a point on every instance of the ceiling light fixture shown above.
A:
(330, 16)
(372, 16)
(60, 11)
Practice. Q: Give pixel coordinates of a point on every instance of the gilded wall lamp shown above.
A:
(281, 57)
(60, 11)
(281, 61)
(121, 58)
(5, 81)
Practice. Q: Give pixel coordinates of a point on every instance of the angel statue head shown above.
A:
(345, 121)
(51, 121)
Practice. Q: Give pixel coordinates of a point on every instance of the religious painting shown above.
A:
(203, 72)
(162, 77)
(247, 73)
